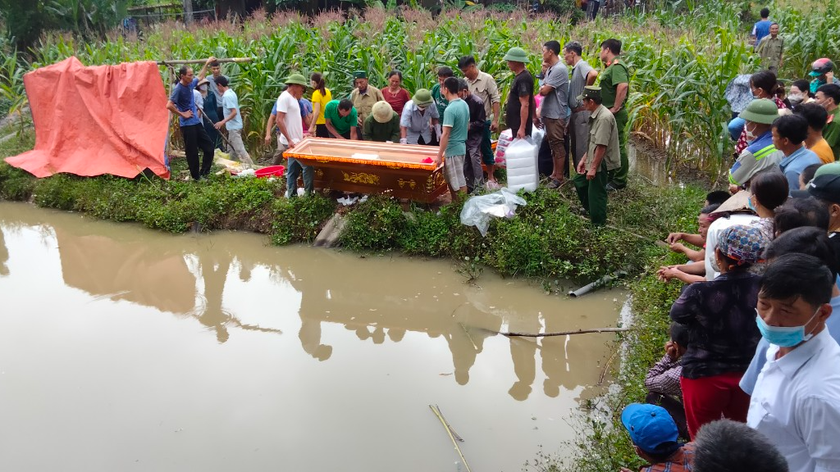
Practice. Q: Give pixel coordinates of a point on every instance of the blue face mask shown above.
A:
(750, 205)
(783, 336)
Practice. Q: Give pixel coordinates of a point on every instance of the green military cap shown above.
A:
(423, 98)
(590, 91)
(761, 110)
(295, 79)
(360, 74)
(516, 55)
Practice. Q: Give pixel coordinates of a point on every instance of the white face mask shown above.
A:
(749, 134)
(796, 98)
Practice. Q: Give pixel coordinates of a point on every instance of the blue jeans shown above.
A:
(293, 170)
(735, 127)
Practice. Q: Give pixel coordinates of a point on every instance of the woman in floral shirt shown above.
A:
(720, 315)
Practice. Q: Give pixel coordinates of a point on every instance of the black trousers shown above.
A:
(321, 131)
(673, 406)
(195, 137)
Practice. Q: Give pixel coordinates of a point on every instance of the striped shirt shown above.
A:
(758, 156)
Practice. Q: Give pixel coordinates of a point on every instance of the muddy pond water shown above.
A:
(127, 349)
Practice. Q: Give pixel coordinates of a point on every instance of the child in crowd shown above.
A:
(663, 379)
(655, 438)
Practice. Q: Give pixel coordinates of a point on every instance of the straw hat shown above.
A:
(382, 112)
(736, 202)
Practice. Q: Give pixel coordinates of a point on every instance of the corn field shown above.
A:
(680, 60)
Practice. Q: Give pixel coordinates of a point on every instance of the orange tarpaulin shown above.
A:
(96, 120)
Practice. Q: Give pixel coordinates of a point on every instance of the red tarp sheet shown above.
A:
(96, 120)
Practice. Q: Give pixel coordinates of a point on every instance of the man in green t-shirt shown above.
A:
(341, 119)
(615, 86)
(440, 100)
(453, 140)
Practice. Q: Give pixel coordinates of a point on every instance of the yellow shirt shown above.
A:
(323, 100)
(823, 151)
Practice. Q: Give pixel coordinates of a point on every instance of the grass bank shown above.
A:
(547, 239)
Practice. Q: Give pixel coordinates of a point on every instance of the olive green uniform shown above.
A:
(770, 49)
(611, 78)
(603, 131)
(363, 102)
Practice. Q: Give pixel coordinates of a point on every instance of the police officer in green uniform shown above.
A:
(602, 156)
(615, 86)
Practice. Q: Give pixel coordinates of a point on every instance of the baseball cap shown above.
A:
(650, 427)
(826, 183)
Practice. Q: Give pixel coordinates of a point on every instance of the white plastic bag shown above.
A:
(478, 210)
(522, 169)
(538, 134)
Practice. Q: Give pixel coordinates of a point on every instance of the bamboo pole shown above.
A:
(437, 413)
(175, 62)
(567, 333)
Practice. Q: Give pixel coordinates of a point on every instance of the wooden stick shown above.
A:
(436, 411)
(566, 333)
(175, 62)
(459, 438)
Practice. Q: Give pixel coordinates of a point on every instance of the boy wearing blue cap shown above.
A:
(654, 435)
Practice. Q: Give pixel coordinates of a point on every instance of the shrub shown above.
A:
(374, 225)
(299, 219)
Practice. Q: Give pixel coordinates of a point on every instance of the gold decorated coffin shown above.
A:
(372, 167)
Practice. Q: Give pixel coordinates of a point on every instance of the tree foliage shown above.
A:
(26, 20)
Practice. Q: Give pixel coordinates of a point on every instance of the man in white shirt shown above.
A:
(796, 401)
(232, 121)
(291, 133)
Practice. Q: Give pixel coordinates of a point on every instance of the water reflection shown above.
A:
(378, 301)
(4, 255)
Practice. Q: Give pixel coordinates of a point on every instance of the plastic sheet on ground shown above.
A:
(96, 120)
(350, 200)
(478, 210)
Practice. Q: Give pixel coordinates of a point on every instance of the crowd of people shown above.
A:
(751, 373)
(754, 333)
(584, 125)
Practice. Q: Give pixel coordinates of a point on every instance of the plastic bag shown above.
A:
(537, 135)
(505, 138)
(522, 169)
(478, 210)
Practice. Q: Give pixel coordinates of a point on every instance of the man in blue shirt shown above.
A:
(761, 28)
(789, 133)
(182, 103)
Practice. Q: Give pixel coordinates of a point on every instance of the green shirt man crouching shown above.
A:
(601, 157)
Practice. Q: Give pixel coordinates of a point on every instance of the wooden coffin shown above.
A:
(372, 167)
